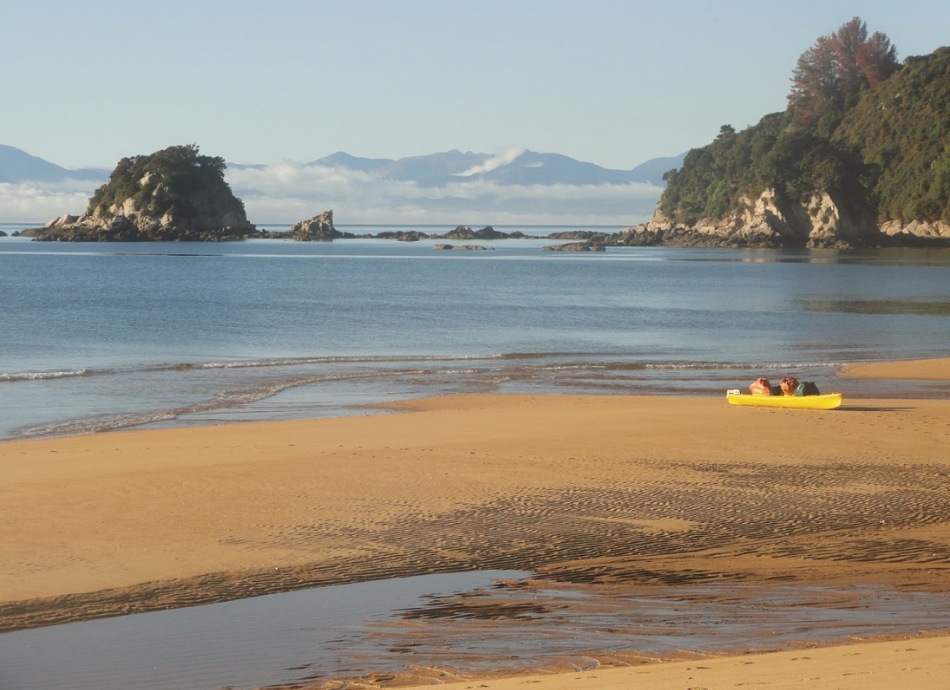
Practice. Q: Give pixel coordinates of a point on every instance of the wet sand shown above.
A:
(913, 369)
(921, 664)
(612, 491)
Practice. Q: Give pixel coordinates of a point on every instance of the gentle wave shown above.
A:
(222, 401)
(247, 364)
(95, 425)
(298, 361)
(597, 362)
(743, 366)
(42, 375)
(438, 376)
(672, 366)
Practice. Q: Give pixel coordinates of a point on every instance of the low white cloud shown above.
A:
(35, 202)
(289, 192)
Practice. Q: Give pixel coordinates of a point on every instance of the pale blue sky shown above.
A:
(612, 82)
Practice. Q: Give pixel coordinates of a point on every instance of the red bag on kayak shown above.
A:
(761, 387)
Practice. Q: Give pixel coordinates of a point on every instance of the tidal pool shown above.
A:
(462, 623)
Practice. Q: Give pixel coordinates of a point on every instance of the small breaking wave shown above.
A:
(42, 375)
(260, 363)
(304, 361)
(94, 425)
(742, 366)
(686, 366)
(226, 400)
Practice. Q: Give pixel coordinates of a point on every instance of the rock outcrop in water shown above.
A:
(462, 232)
(171, 195)
(317, 229)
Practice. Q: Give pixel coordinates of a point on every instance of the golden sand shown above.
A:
(919, 664)
(919, 369)
(133, 521)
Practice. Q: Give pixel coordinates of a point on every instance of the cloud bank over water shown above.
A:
(289, 192)
(38, 202)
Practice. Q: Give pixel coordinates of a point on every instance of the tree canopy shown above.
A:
(831, 75)
(903, 133)
(164, 181)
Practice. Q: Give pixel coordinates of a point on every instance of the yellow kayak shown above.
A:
(826, 401)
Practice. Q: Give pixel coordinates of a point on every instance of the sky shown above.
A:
(611, 82)
(286, 82)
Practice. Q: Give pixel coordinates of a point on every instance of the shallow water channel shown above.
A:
(466, 623)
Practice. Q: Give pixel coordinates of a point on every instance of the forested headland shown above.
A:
(862, 148)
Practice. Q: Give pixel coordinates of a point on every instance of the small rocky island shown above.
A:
(175, 194)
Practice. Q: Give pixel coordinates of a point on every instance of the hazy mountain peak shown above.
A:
(17, 165)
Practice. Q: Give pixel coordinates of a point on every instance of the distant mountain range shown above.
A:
(19, 166)
(513, 168)
(515, 187)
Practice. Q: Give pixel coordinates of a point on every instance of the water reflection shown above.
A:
(937, 307)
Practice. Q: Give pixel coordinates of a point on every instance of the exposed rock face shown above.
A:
(317, 229)
(916, 229)
(816, 222)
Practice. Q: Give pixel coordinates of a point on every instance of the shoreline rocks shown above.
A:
(462, 247)
(818, 222)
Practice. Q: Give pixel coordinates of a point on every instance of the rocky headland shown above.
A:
(858, 159)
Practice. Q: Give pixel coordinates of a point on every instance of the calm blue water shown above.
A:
(97, 336)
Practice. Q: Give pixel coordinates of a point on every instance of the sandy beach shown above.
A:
(919, 369)
(620, 491)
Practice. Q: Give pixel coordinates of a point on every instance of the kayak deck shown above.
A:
(826, 401)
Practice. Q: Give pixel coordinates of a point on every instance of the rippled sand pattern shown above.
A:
(862, 514)
(783, 523)
(622, 491)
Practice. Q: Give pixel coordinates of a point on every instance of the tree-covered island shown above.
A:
(175, 194)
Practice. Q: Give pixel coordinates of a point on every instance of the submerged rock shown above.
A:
(575, 247)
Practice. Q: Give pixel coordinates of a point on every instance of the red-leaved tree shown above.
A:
(830, 76)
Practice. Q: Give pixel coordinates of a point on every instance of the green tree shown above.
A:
(166, 181)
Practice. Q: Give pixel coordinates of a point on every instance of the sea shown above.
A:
(109, 336)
